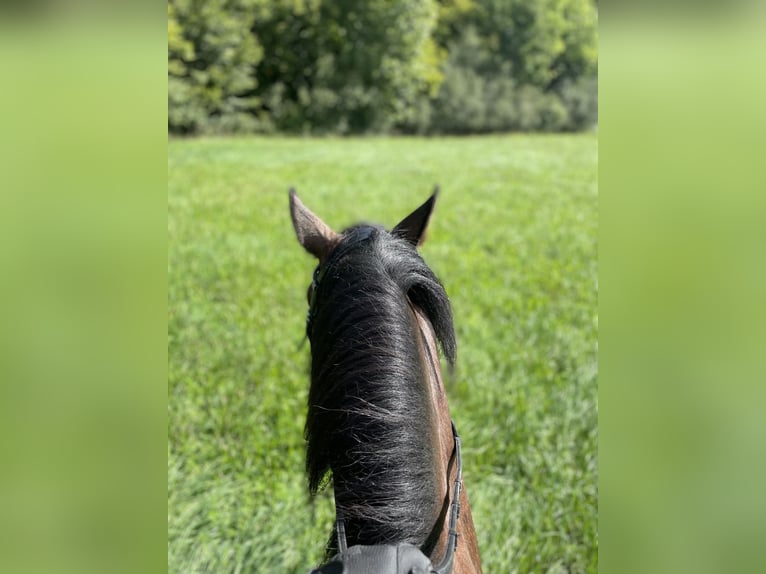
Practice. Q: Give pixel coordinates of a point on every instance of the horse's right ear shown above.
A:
(314, 234)
(413, 227)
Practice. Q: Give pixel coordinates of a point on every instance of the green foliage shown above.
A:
(513, 238)
(476, 97)
(346, 67)
(545, 41)
(426, 66)
(581, 100)
(211, 59)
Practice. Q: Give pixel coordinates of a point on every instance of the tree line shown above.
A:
(381, 66)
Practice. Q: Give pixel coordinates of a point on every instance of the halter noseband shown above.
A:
(392, 558)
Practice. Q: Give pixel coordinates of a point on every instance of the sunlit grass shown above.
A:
(513, 239)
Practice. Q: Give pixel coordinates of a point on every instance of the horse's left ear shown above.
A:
(413, 227)
(314, 234)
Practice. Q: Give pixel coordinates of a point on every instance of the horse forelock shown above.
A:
(370, 418)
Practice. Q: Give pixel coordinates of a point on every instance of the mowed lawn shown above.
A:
(514, 241)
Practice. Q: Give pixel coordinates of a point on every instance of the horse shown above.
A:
(378, 424)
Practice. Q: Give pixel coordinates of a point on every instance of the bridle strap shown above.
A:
(445, 566)
(340, 527)
(447, 563)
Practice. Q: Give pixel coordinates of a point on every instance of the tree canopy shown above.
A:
(381, 66)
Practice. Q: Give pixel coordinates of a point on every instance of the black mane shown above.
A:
(370, 418)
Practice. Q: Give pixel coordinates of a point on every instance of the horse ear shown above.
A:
(413, 227)
(314, 234)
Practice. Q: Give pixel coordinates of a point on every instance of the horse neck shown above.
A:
(467, 553)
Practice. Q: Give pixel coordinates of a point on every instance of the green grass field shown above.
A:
(513, 239)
